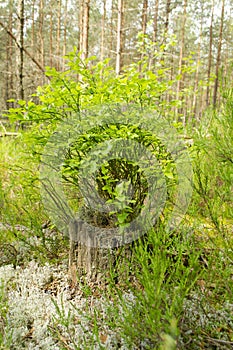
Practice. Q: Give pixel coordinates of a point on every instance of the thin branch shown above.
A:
(219, 341)
(8, 134)
(24, 49)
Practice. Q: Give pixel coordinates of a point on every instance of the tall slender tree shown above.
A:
(181, 56)
(195, 90)
(103, 19)
(144, 16)
(168, 10)
(41, 33)
(65, 32)
(84, 28)
(119, 36)
(117, 39)
(33, 26)
(51, 34)
(58, 39)
(210, 52)
(9, 61)
(144, 26)
(20, 55)
(218, 55)
(155, 20)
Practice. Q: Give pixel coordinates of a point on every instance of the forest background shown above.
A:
(188, 34)
(59, 58)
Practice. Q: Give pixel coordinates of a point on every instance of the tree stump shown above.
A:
(95, 253)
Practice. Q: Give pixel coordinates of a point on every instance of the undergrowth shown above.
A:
(176, 290)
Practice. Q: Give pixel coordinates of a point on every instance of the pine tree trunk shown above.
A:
(65, 34)
(80, 25)
(155, 32)
(103, 31)
(210, 55)
(155, 21)
(119, 37)
(84, 28)
(218, 56)
(20, 55)
(58, 40)
(51, 35)
(8, 73)
(195, 91)
(41, 35)
(168, 10)
(33, 27)
(9, 63)
(166, 26)
(180, 80)
(144, 16)
(144, 26)
(112, 37)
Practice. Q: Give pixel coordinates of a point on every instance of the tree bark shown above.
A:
(119, 37)
(41, 34)
(144, 28)
(90, 259)
(210, 55)
(181, 77)
(51, 35)
(33, 26)
(84, 28)
(195, 92)
(9, 63)
(218, 56)
(103, 31)
(168, 10)
(144, 16)
(111, 43)
(58, 40)
(65, 34)
(80, 25)
(155, 21)
(20, 55)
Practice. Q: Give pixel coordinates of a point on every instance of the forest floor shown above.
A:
(39, 310)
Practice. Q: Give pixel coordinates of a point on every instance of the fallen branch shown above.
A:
(8, 134)
(219, 341)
